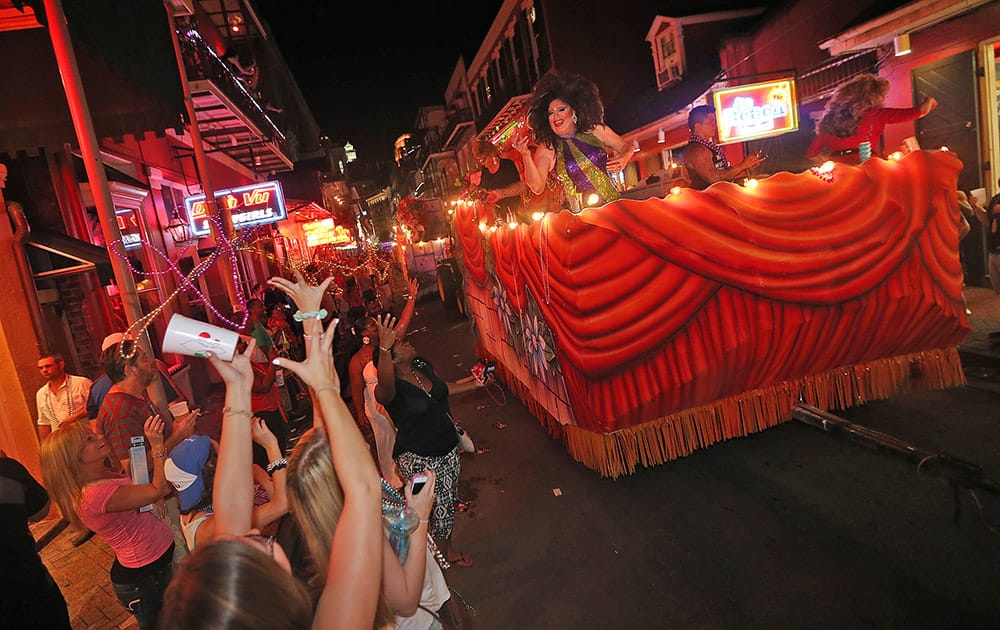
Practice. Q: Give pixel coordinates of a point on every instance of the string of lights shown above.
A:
(369, 256)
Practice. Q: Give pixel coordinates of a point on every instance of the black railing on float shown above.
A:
(202, 64)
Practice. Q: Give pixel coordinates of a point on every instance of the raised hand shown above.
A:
(386, 325)
(153, 428)
(413, 286)
(306, 296)
(236, 373)
(522, 145)
(261, 433)
(317, 370)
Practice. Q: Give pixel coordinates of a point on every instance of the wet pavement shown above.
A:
(788, 528)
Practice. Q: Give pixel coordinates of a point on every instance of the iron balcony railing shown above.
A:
(202, 64)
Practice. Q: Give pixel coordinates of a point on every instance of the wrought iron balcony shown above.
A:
(230, 116)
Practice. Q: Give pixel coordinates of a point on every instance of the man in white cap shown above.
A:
(63, 397)
(99, 389)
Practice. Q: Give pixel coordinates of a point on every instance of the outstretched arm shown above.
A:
(350, 595)
(385, 390)
(699, 159)
(277, 507)
(620, 152)
(232, 491)
(411, 305)
(404, 584)
(537, 164)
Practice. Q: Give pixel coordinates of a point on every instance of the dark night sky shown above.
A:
(365, 71)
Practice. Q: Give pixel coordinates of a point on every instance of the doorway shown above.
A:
(955, 124)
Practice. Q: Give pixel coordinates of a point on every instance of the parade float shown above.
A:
(640, 331)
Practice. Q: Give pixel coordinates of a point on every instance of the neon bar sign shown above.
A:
(324, 232)
(255, 204)
(128, 225)
(758, 110)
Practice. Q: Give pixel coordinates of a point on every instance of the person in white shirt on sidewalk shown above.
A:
(63, 398)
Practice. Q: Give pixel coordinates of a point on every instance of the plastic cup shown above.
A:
(194, 338)
(178, 409)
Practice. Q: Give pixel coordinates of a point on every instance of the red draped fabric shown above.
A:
(664, 304)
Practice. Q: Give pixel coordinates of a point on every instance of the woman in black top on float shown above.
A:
(417, 402)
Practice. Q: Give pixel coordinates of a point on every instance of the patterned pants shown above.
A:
(446, 469)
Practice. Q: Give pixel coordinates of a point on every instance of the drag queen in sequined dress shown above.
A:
(574, 144)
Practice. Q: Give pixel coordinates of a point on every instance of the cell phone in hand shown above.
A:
(419, 481)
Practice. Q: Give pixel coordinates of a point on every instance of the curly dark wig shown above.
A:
(852, 99)
(579, 92)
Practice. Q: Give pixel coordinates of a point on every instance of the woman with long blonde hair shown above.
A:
(855, 115)
(411, 590)
(92, 495)
(214, 588)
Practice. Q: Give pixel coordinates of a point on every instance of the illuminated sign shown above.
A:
(758, 110)
(249, 205)
(324, 232)
(128, 225)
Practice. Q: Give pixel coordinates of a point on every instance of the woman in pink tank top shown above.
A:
(92, 495)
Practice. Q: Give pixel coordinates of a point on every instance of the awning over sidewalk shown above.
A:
(62, 255)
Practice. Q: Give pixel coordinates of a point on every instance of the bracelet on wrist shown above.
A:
(276, 465)
(229, 411)
(324, 389)
(299, 316)
(160, 454)
(384, 349)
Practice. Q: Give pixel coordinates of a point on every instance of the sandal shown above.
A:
(461, 560)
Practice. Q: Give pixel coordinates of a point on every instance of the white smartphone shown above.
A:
(419, 481)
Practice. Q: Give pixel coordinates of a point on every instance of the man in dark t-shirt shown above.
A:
(500, 181)
(29, 598)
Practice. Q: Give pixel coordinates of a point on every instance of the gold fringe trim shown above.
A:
(679, 434)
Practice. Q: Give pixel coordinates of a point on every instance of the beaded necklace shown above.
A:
(48, 401)
(392, 503)
(720, 159)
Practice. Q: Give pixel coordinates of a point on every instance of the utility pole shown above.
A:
(83, 124)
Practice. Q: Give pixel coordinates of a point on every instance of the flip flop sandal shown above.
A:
(461, 560)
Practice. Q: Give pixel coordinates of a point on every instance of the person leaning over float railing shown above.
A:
(243, 580)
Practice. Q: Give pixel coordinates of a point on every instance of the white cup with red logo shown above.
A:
(194, 338)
